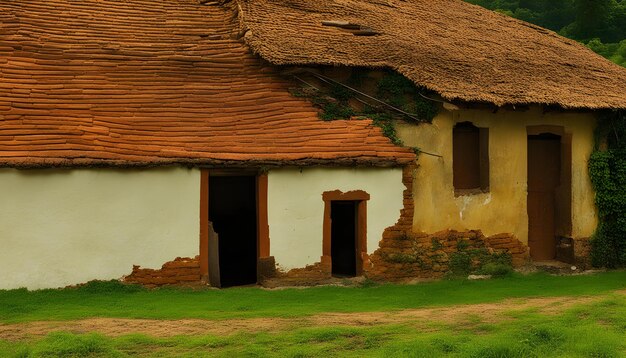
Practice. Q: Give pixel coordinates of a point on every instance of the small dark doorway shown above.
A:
(343, 238)
(544, 177)
(232, 210)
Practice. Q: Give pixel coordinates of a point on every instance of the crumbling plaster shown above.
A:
(503, 208)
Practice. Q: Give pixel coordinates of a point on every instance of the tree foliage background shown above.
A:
(599, 24)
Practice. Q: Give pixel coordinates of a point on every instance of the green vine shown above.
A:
(392, 88)
(400, 92)
(607, 168)
(467, 260)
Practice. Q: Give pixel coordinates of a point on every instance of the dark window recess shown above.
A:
(470, 158)
(232, 209)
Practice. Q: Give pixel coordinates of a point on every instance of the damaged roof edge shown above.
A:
(477, 56)
(47, 163)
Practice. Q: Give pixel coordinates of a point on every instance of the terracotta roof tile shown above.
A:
(149, 82)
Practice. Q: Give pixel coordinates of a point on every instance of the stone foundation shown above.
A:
(582, 253)
(574, 251)
(183, 271)
(404, 256)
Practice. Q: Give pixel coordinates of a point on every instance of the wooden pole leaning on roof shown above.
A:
(342, 24)
(355, 29)
(328, 79)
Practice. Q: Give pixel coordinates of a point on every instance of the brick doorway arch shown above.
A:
(338, 200)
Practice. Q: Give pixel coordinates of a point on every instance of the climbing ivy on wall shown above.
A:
(400, 92)
(393, 89)
(607, 168)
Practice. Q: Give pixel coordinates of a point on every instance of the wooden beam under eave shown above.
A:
(263, 229)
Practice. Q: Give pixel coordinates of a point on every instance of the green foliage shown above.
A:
(436, 244)
(479, 261)
(495, 269)
(69, 304)
(340, 93)
(593, 329)
(332, 110)
(384, 121)
(401, 93)
(607, 168)
(333, 104)
(393, 89)
(367, 282)
(66, 345)
(600, 24)
(112, 286)
(615, 52)
(460, 264)
(592, 18)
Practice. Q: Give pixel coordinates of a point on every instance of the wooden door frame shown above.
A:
(563, 193)
(361, 197)
(263, 239)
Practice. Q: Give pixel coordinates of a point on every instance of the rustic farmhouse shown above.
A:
(168, 142)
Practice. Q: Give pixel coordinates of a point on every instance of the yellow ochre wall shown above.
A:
(503, 208)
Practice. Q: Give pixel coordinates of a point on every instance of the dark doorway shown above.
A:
(232, 210)
(343, 237)
(544, 177)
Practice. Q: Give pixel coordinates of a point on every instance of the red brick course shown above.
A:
(183, 271)
(419, 255)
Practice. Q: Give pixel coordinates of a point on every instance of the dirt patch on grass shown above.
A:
(486, 312)
(156, 328)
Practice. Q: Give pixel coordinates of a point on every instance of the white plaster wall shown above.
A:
(296, 208)
(62, 227)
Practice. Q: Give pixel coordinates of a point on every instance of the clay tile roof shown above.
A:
(153, 82)
(459, 50)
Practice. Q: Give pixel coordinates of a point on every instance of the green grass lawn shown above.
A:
(591, 329)
(109, 300)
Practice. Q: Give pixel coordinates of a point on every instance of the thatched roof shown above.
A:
(459, 50)
(152, 82)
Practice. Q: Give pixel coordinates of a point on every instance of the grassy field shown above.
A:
(109, 300)
(583, 316)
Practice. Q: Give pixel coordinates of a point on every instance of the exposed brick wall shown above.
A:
(405, 222)
(183, 271)
(420, 255)
(316, 273)
(320, 272)
(404, 254)
(507, 243)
